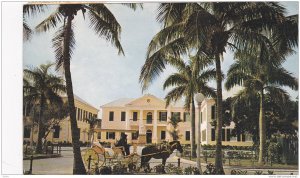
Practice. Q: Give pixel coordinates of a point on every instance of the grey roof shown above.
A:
(119, 103)
(81, 100)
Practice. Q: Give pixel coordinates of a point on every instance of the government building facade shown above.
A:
(145, 120)
(62, 131)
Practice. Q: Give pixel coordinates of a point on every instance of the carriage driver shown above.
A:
(123, 142)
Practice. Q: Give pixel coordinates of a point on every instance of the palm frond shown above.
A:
(277, 94)
(206, 90)
(164, 37)
(133, 6)
(175, 79)
(33, 9)
(207, 75)
(27, 32)
(282, 77)
(174, 95)
(169, 13)
(50, 22)
(236, 78)
(58, 45)
(155, 64)
(110, 31)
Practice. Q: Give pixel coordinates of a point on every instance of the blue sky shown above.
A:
(99, 74)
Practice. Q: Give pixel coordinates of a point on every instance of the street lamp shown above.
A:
(199, 98)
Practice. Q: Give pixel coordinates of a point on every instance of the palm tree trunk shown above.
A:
(193, 140)
(262, 130)
(78, 166)
(219, 155)
(41, 132)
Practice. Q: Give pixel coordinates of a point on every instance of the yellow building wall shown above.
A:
(65, 126)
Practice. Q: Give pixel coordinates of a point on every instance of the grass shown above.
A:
(247, 163)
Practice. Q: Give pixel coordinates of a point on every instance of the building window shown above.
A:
(149, 118)
(78, 114)
(228, 135)
(163, 135)
(27, 131)
(186, 117)
(76, 111)
(203, 134)
(187, 135)
(123, 116)
(135, 115)
(213, 112)
(201, 119)
(162, 116)
(56, 131)
(79, 133)
(243, 138)
(81, 114)
(223, 134)
(99, 135)
(111, 116)
(213, 135)
(238, 137)
(248, 137)
(135, 135)
(85, 116)
(110, 135)
(175, 114)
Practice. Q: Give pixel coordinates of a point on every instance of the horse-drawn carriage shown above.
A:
(97, 156)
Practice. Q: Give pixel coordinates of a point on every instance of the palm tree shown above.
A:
(189, 81)
(174, 121)
(41, 88)
(92, 121)
(211, 28)
(261, 73)
(103, 22)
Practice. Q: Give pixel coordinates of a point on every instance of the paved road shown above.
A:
(63, 165)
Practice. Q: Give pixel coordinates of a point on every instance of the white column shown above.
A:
(128, 125)
(168, 136)
(127, 119)
(141, 124)
(154, 134)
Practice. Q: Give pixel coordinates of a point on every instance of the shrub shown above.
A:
(159, 169)
(106, 170)
(119, 169)
(191, 171)
(258, 173)
(210, 169)
(238, 172)
(274, 152)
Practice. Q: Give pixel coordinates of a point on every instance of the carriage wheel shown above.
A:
(94, 158)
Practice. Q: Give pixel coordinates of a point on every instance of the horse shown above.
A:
(159, 152)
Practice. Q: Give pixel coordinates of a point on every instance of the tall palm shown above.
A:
(104, 24)
(211, 28)
(42, 87)
(261, 72)
(188, 81)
